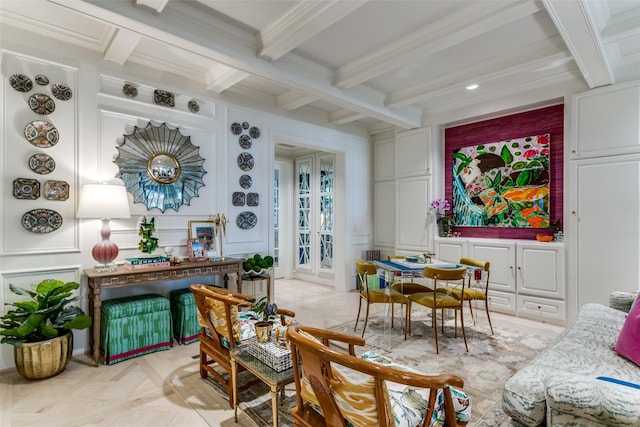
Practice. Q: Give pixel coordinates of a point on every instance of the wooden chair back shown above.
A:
(320, 364)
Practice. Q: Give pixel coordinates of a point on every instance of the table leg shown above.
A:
(234, 388)
(274, 405)
(94, 338)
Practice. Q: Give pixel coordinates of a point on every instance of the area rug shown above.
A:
(490, 362)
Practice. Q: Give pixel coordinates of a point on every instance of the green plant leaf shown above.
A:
(524, 178)
(48, 331)
(20, 291)
(30, 325)
(506, 155)
(80, 322)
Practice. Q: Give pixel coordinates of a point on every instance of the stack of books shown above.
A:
(146, 262)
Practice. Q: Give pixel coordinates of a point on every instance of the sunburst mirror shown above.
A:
(160, 167)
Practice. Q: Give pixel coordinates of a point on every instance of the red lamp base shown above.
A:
(105, 251)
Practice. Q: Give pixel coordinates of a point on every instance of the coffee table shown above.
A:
(275, 380)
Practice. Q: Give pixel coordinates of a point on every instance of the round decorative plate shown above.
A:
(41, 220)
(41, 133)
(246, 220)
(21, 83)
(254, 132)
(41, 103)
(42, 80)
(253, 199)
(26, 188)
(245, 181)
(245, 125)
(193, 106)
(245, 161)
(42, 163)
(62, 91)
(236, 128)
(56, 190)
(238, 198)
(245, 141)
(130, 90)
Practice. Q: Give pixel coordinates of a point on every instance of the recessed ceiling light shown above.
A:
(472, 87)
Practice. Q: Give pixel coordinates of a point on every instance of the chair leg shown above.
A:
(464, 335)
(358, 316)
(407, 319)
(471, 310)
(392, 315)
(435, 328)
(366, 319)
(486, 307)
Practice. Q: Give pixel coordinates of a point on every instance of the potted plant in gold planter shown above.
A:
(40, 328)
(266, 313)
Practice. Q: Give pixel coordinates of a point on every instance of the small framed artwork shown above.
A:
(196, 250)
(206, 232)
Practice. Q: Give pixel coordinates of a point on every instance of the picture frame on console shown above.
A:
(204, 231)
(195, 248)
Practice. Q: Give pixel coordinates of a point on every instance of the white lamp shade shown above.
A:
(103, 201)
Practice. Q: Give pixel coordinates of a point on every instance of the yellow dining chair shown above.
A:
(407, 288)
(373, 296)
(439, 299)
(476, 293)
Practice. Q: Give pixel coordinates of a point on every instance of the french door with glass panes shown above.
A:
(315, 213)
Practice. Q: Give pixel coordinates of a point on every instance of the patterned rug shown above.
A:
(490, 362)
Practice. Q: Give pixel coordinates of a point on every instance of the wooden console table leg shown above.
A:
(95, 305)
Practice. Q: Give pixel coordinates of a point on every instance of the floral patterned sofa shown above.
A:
(579, 380)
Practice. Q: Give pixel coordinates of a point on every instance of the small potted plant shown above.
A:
(40, 328)
(265, 313)
(444, 216)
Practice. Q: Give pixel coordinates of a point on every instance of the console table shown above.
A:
(98, 281)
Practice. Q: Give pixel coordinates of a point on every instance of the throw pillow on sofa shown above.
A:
(628, 344)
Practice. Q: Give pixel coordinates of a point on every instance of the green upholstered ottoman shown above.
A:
(133, 326)
(185, 316)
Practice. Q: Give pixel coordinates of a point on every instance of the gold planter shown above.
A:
(44, 359)
(263, 331)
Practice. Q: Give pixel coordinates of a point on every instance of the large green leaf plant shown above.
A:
(46, 315)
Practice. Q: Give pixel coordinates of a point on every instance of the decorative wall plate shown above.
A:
(253, 199)
(41, 103)
(245, 141)
(21, 83)
(62, 91)
(130, 90)
(42, 80)
(245, 161)
(236, 128)
(42, 163)
(193, 106)
(56, 190)
(246, 220)
(41, 220)
(245, 181)
(254, 132)
(26, 188)
(162, 97)
(238, 198)
(41, 133)
(245, 125)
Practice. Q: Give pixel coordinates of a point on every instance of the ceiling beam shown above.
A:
(221, 78)
(121, 46)
(575, 24)
(342, 117)
(291, 100)
(451, 30)
(301, 23)
(157, 5)
(186, 28)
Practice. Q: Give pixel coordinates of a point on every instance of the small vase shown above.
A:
(263, 331)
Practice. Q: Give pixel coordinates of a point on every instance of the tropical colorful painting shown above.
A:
(502, 184)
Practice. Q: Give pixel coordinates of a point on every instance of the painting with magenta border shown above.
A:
(502, 184)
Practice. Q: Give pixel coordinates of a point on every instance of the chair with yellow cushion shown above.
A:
(404, 287)
(475, 293)
(442, 299)
(373, 296)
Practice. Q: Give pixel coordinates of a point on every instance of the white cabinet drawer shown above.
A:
(543, 309)
(502, 302)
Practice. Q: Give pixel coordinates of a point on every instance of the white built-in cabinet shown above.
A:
(527, 278)
(402, 189)
(603, 197)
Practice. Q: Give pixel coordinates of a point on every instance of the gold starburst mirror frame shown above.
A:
(160, 167)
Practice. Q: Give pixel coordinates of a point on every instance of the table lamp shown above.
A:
(104, 201)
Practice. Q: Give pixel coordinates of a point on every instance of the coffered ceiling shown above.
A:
(380, 63)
